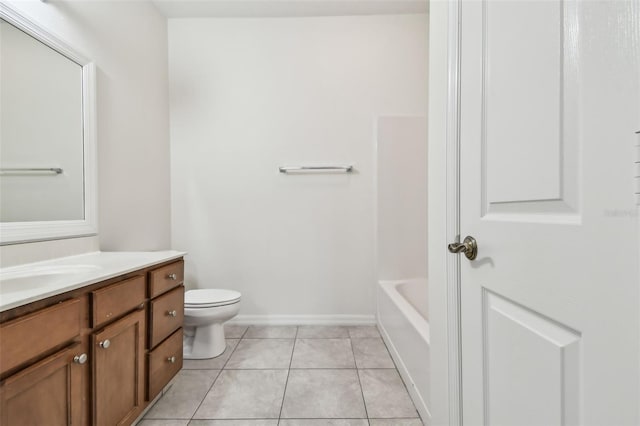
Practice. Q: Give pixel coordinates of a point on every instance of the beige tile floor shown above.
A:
(290, 376)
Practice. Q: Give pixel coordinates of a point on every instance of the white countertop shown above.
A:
(23, 284)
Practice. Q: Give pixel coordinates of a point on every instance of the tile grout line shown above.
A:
(205, 395)
(395, 367)
(392, 360)
(218, 375)
(242, 336)
(234, 349)
(401, 379)
(295, 339)
(244, 332)
(364, 402)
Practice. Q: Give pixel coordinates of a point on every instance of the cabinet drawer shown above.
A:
(27, 337)
(167, 315)
(164, 362)
(164, 279)
(117, 299)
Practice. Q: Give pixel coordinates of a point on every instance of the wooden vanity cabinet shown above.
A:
(118, 370)
(166, 316)
(119, 351)
(164, 363)
(50, 392)
(48, 328)
(44, 376)
(93, 356)
(165, 278)
(117, 299)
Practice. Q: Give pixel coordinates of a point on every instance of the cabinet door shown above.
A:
(49, 392)
(118, 379)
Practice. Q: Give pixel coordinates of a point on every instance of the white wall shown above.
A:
(18, 254)
(248, 95)
(402, 199)
(128, 42)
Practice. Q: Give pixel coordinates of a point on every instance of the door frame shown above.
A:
(445, 402)
(452, 164)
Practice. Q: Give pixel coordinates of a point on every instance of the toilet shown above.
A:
(205, 312)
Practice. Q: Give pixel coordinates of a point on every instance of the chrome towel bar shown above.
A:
(31, 171)
(324, 169)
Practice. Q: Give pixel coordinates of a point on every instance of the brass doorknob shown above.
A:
(469, 247)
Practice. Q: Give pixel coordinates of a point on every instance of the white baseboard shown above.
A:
(303, 320)
(422, 408)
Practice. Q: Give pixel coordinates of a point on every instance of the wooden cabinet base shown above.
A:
(119, 371)
(47, 328)
(49, 392)
(95, 355)
(164, 362)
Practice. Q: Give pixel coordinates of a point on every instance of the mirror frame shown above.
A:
(20, 232)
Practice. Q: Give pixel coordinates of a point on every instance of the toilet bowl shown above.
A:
(205, 312)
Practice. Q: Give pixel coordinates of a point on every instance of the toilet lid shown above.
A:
(210, 297)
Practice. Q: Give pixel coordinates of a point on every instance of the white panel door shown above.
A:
(549, 95)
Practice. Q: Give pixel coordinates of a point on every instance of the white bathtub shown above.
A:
(403, 321)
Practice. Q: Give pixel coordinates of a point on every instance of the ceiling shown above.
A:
(285, 8)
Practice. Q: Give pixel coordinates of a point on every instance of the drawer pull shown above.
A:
(172, 313)
(80, 359)
(172, 359)
(105, 344)
(172, 277)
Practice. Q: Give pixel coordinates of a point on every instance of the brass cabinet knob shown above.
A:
(172, 313)
(172, 359)
(172, 277)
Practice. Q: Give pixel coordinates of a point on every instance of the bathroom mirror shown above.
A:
(47, 138)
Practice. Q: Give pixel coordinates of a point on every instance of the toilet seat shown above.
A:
(210, 298)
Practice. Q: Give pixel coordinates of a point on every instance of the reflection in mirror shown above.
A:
(47, 135)
(41, 131)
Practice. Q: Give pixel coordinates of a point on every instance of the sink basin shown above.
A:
(24, 279)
